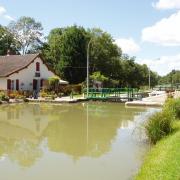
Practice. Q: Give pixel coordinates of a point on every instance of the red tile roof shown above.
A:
(14, 63)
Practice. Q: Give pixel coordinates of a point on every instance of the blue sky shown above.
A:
(143, 28)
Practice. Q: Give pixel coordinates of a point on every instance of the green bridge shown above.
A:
(114, 94)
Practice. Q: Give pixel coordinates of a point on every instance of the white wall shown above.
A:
(27, 75)
(3, 83)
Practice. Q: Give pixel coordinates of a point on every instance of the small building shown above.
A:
(23, 72)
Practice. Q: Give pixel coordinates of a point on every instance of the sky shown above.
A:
(146, 29)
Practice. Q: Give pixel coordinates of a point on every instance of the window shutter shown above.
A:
(41, 83)
(17, 84)
(8, 84)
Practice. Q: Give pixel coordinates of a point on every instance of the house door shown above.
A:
(35, 84)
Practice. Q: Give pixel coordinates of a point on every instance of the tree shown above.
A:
(134, 74)
(66, 52)
(103, 52)
(7, 42)
(73, 54)
(27, 32)
(97, 76)
(154, 78)
(52, 49)
(171, 78)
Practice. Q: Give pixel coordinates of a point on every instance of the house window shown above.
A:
(17, 84)
(37, 66)
(37, 74)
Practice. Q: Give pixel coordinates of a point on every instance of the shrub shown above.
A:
(3, 97)
(67, 90)
(53, 82)
(173, 105)
(43, 94)
(97, 76)
(54, 96)
(16, 95)
(27, 94)
(159, 125)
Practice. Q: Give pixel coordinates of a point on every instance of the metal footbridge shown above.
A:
(112, 94)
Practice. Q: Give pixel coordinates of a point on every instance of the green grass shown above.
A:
(159, 125)
(163, 160)
(173, 106)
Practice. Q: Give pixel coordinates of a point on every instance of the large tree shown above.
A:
(52, 48)
(104, 54)
(7, 42)
(65, 51)
(134, 74)
(73, 54)
(27, 32)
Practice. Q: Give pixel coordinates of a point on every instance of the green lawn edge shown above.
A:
(163, 160)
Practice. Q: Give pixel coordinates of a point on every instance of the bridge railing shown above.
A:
(111, 92)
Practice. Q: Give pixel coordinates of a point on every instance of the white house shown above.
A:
(23, 72)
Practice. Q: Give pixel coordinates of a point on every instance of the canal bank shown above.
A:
(163, 160)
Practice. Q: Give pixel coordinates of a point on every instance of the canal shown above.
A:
(84, 141)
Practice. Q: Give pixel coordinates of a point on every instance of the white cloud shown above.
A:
(127, 45)
(167, 4)
(165, 32)
(162, 65)
(3, 13)
(2, 10)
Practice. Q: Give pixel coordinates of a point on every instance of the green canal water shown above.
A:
(84, 141)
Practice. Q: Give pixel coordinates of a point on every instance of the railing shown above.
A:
(123, 93)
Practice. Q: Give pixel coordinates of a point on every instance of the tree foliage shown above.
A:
(52, 49)
(172, 78)
(97, 76)
(66, 52)
(73, 54)
(104, 54)
(136, 75)
(7, 42)
(27, 32)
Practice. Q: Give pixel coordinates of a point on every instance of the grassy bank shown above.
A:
(163, 160)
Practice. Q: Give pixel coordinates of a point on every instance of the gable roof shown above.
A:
(14, 63)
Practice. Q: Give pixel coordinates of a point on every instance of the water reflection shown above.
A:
(78, 130)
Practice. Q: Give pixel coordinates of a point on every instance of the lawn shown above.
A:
(163, 160)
